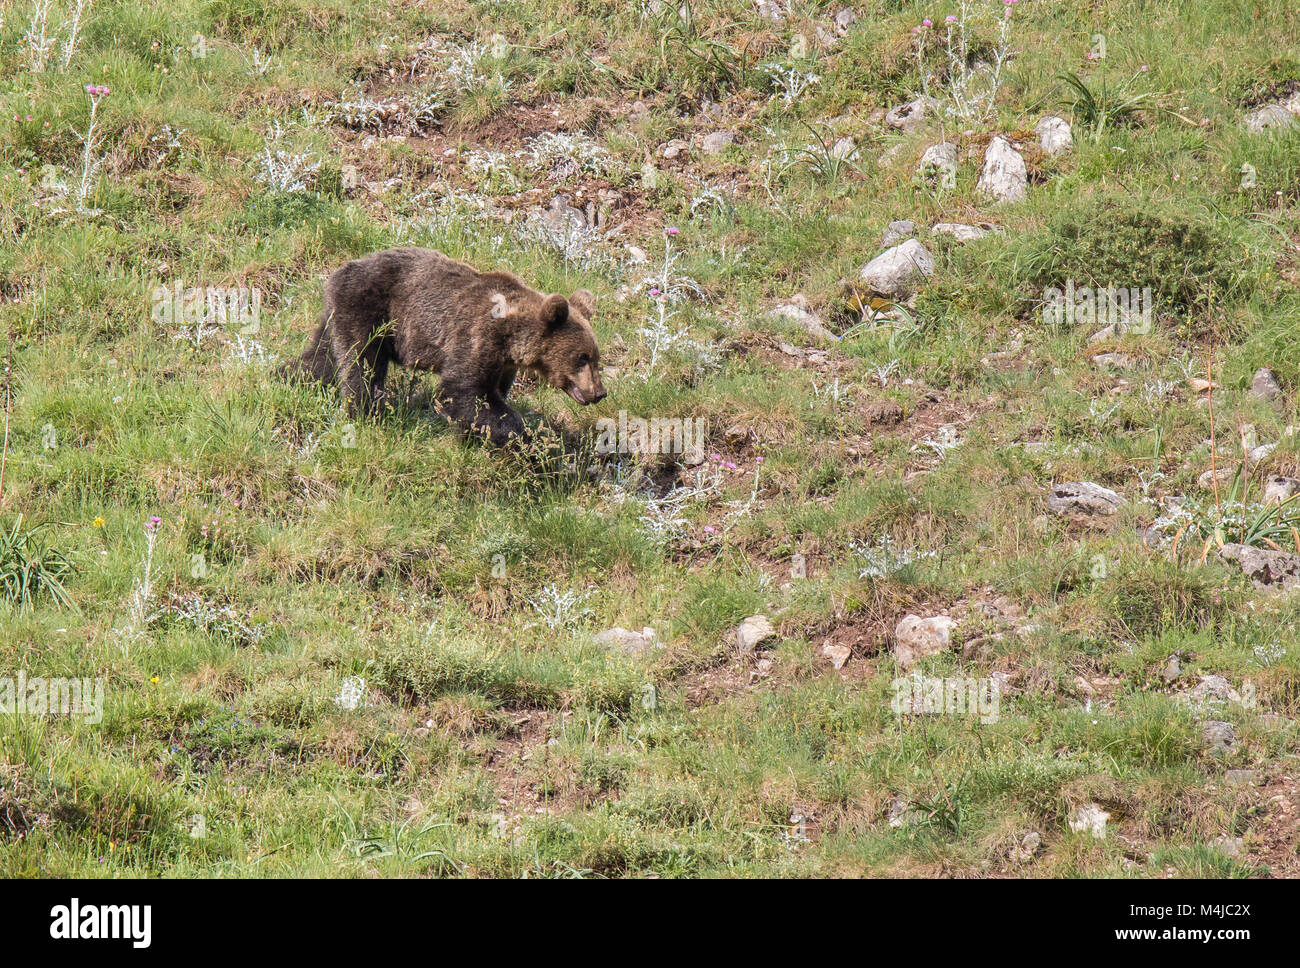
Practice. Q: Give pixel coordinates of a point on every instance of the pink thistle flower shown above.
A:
(950, 19)
(926, 23)
(671, 230)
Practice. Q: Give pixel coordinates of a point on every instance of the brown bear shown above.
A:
(476, 330)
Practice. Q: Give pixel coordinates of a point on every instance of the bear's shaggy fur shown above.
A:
(476, 330)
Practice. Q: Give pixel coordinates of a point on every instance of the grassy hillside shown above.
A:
(349, 647)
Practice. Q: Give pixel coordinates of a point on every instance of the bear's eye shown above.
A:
(584, 359)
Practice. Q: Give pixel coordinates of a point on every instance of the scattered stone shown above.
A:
(753, 632)
(1083, 499)
(916, 637)
(1004, 175)
(896, 271)
(1279, 489)
(1264, 566)
(844, 19)
(897, 232)
(960, 232)
(1054, 135)
(1218, 735)
(1091, 818)
(800, 310)
(844, 149)
(1024, 851)
(626, 640)
(1264, 386)
(938, 158)
(717, 142)
(1232, 846)
(1211, 691)
(1269, 118)
(1240, 777)
(911, 116)
(1114, 361)
(1219, 475)
(838, 654)
(674, 149)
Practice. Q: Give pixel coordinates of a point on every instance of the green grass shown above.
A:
(300, 551)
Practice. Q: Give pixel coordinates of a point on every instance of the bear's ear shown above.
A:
(555, 310)
(584, 302)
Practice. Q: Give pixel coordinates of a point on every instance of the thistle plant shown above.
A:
(971, 90)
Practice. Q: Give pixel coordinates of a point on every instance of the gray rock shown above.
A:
(844, 148)
(1083, 499)
(916, 637)
(1269, 118)
(1210, 692)
(938, 159)
(911, 116)
(799, 310)
(674, 149)
(1004, 176)
(1024, 851)
(1264, 386)
(1219, 475)
(1239, 777)
(898, 231)
(1232, 846)
(1264, 566)
(628, 641)
(1054, 135)
(1279, 489)
(1218, 735)
(959, 231)
(753, 632)
(1113, 361)
(897, 270)
(717, 142)
(1090, 818)
(845, 18)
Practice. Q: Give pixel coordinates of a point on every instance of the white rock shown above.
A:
(1279, 489)
(917, 637)
(799, 310)
(898, 231)
(844, 149)
(1054, 135)
(1218, 735)
(1083, 498)
(717, 142)
(938, 158)
(1091, 818)
(753, 632)
(959, 231)
(896, 271)
(838, 654)
(1264, 386)
(911, 116)
(1024, 851)
(633, 643)
(1269, 118)
(1004, 175)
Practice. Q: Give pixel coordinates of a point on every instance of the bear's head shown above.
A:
(569, 359)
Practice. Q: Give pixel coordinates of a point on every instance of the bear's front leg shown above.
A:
(483, 413)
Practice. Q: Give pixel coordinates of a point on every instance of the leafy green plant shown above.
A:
(1103, 106)
(30, 568)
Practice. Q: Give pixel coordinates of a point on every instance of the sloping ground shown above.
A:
(329, 646)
